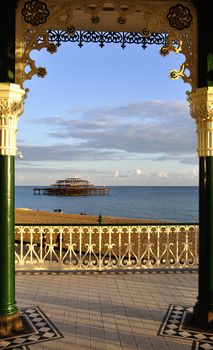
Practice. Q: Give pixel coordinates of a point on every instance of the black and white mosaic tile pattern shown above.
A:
(174, 325)
(40, 330)
(202, 346)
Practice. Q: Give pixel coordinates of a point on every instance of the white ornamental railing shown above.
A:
(106, 247)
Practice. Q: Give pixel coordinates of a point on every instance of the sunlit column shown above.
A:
(11, 106)
(201, 106)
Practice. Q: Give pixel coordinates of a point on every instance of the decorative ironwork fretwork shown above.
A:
(60, 36)
(122, 247)
(47, 24)
(179, 17)
(35, 12)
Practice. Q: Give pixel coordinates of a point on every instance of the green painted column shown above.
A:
(7, 272)
(203, 309)
(201, 103)
(11, 106)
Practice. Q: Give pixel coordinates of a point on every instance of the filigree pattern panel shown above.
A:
(57, 37)
(106, 247)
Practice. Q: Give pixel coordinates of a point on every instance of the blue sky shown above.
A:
(108, 115)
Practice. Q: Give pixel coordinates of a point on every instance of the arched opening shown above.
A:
(107, 136)
(171, 26)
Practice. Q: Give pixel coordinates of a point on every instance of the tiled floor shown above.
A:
(108, 311)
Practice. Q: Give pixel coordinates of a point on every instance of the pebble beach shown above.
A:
(29, 216)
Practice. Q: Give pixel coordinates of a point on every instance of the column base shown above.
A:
(203, 317)
(10, 324)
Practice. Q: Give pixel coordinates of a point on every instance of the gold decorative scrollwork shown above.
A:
(36, 18)
(121, 20)
(164, 51)
(70, 30)
(95, 19)
(35, 12)
(41, 72)
(179, 17)
(174, 73)
(52, 48)
(145, 32)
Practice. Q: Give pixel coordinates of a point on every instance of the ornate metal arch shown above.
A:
(38, 20)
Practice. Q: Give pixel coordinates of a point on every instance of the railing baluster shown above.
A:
(51, 245)
(22, 246)
(31, 246)
(167, 246)
(80, 248)
(41, 245)
(119, 248)
(177, 248)
(196, 249)
(187, 246)
(70, 245)
(61, 230)
(158, 247)
(139, 246)
(90, 247)
(148, 245)
(110, 247)
(100, 268)
(129, 247)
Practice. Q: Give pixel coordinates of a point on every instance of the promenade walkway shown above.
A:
(109, 311)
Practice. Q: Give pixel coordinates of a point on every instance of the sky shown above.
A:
(108, 115)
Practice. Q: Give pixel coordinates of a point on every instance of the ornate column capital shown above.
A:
(11, 106)
(201, 109)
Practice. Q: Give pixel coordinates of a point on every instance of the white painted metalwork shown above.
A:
(11, 106)
(201, 108)
(106, 247)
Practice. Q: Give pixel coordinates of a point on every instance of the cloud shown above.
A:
(45, 173)
(67, 153)
(116, 175)
(153, 131)
(191, 159)
(163, 174)
(166, 178)
(138, 172)
(160, 127)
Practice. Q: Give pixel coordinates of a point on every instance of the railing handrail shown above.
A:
(110, 224)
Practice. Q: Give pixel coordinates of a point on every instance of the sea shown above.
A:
(172, 203)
